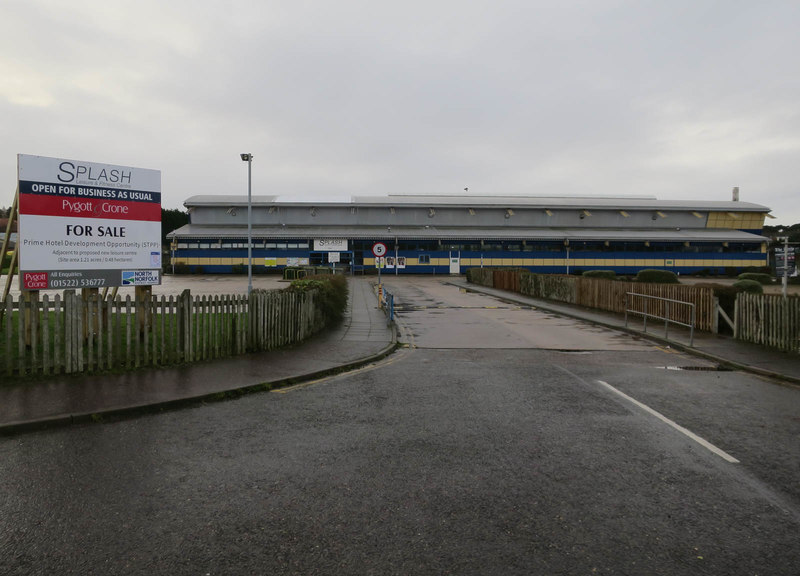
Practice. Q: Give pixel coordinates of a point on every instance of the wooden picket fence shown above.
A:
(70, 334)
(768, 319)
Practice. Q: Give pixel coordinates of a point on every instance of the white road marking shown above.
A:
(705, 443)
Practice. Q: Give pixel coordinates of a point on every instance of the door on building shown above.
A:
(455, 263)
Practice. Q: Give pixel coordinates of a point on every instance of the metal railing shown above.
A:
(653, 305)
(386, 300)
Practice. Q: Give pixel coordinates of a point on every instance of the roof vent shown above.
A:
(735, 193)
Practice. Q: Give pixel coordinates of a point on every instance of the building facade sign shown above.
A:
(87, 225)
(331, 245)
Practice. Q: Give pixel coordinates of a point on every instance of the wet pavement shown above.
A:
(363, 337)
(724, 350)
(434, 460)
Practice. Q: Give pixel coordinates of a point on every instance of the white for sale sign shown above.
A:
(84, 224)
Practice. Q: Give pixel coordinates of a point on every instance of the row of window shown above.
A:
(256, 244)
(478, 248)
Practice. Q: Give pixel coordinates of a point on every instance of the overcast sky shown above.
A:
(672, 98)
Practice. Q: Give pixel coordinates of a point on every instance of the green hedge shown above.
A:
(549, 286)
(651, 276)
(750, 286)
(757, 277)
(482, 276)
(606, 274)
(333, 291)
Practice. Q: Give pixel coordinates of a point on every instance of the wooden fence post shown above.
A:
(29, 296)
(9, 316)
(184, 303)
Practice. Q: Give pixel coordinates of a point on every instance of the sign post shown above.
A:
(379, 250)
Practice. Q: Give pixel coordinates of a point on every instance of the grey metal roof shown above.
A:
(460, 233)
(543, 202)
(226, 200)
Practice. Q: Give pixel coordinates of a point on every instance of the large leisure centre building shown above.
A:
(449, 234)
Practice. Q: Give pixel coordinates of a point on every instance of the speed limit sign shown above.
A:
(379, 249)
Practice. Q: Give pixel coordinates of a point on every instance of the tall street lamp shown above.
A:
(785, 263)
(249, 159)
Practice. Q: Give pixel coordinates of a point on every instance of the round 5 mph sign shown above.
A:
(379, 249)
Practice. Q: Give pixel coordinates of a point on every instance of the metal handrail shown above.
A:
(386, 302)
(667, 320)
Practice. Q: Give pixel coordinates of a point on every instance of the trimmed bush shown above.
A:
(333, 294)
(482, 276)
(750, 286)
(758, 277)
(549, 286)
(651, 276)
(605, 274)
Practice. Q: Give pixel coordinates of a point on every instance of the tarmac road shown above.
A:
(456, 459)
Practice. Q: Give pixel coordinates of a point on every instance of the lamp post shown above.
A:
(785, 264)
(249, 159)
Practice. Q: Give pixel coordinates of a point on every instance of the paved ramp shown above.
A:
(435, 314)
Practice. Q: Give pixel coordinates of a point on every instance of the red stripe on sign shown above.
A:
(44, 205)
